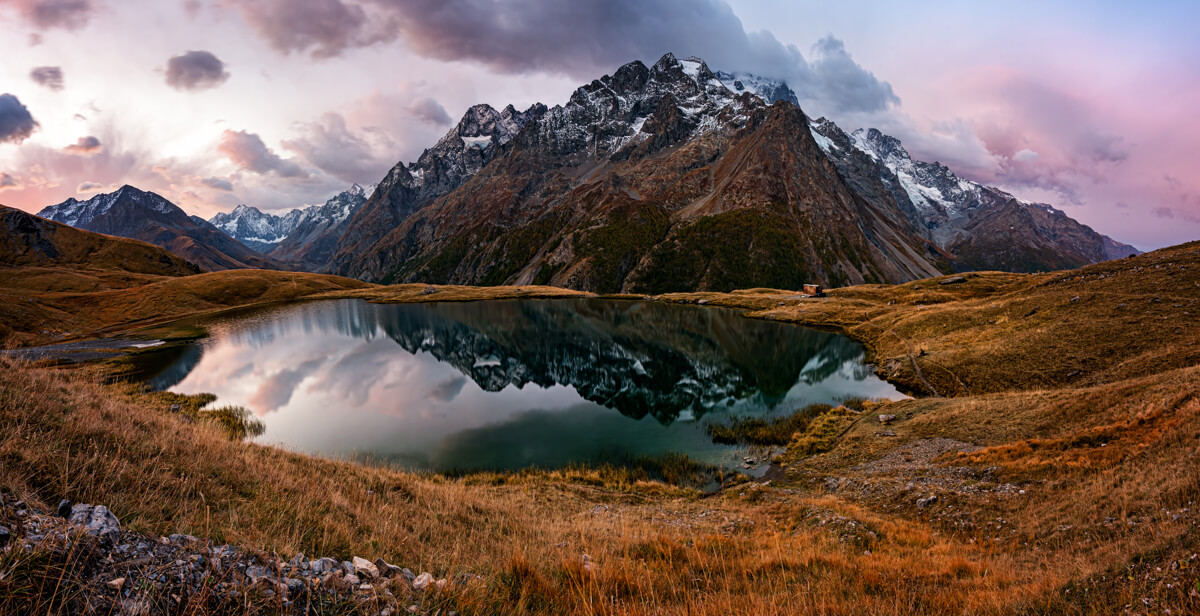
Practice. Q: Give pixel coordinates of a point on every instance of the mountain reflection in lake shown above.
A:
(511, 384)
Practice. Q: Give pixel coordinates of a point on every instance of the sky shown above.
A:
(1087, 106)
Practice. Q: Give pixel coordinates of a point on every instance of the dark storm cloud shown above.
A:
(69, 14)
(84, 146)
(195, 70)
(48, 76)
(248, 151)
(218, 184)
(844, 84)
(581, 39)
(8, 182)
(428, 110)
(16, 123)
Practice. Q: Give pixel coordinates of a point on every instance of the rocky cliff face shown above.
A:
(314, 238)
(136, 214)
(983, 227)
(460, 154)
(652, 179)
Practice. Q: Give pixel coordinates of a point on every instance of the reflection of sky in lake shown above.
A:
(514, 384)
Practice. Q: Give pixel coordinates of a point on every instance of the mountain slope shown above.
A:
(314, 237)
(136, 214)
(27, 240)
(457, 156)
(984, 227)
(651, 179)
(256, 229)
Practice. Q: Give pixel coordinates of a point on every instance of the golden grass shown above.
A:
(1076, 387)
(655, 549)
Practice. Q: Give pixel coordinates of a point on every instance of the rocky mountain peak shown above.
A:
(770, 90)
(881, 146)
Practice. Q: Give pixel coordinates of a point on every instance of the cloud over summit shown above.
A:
(581, 39)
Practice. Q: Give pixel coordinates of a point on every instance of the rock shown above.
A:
(134, 607)
(430, 290)
(423, 581)
(352, 579)
(587, 563)
(298, 560)
(176, 408)
(294, 586)
(96, 521)
(885, 433)
(258, 573)
(388, 570)
(886, 419)
(5, 535)
(179, 539)
(953, 280)
(927, 501)
(323, 565)
(64, 508)
(1075, 299)
(408, 575)
(362, 565)
(117, 583)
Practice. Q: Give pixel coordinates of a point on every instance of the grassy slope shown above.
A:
(1086, 404)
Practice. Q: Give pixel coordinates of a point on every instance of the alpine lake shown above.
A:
(459, 387)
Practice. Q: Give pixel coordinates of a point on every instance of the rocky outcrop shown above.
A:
(116, 571)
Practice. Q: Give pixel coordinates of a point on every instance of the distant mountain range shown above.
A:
(658, 178)
(306, 236)
(140, 215)
(27, 240)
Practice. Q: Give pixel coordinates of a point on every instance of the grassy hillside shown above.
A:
(1050, 467)
(26, 240)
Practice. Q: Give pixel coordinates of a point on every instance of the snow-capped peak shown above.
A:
(81, 213)
(770, 90)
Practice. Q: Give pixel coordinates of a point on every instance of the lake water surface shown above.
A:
(503, 385)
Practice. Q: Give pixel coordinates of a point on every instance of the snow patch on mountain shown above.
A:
(80, 214)
(770, 90)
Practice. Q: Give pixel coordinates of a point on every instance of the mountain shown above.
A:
(457, 156)
(255, 228)
(770, 90)
(27, 240)
(985, 228)
(136, 214)
(652, 179)
(314, 237)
